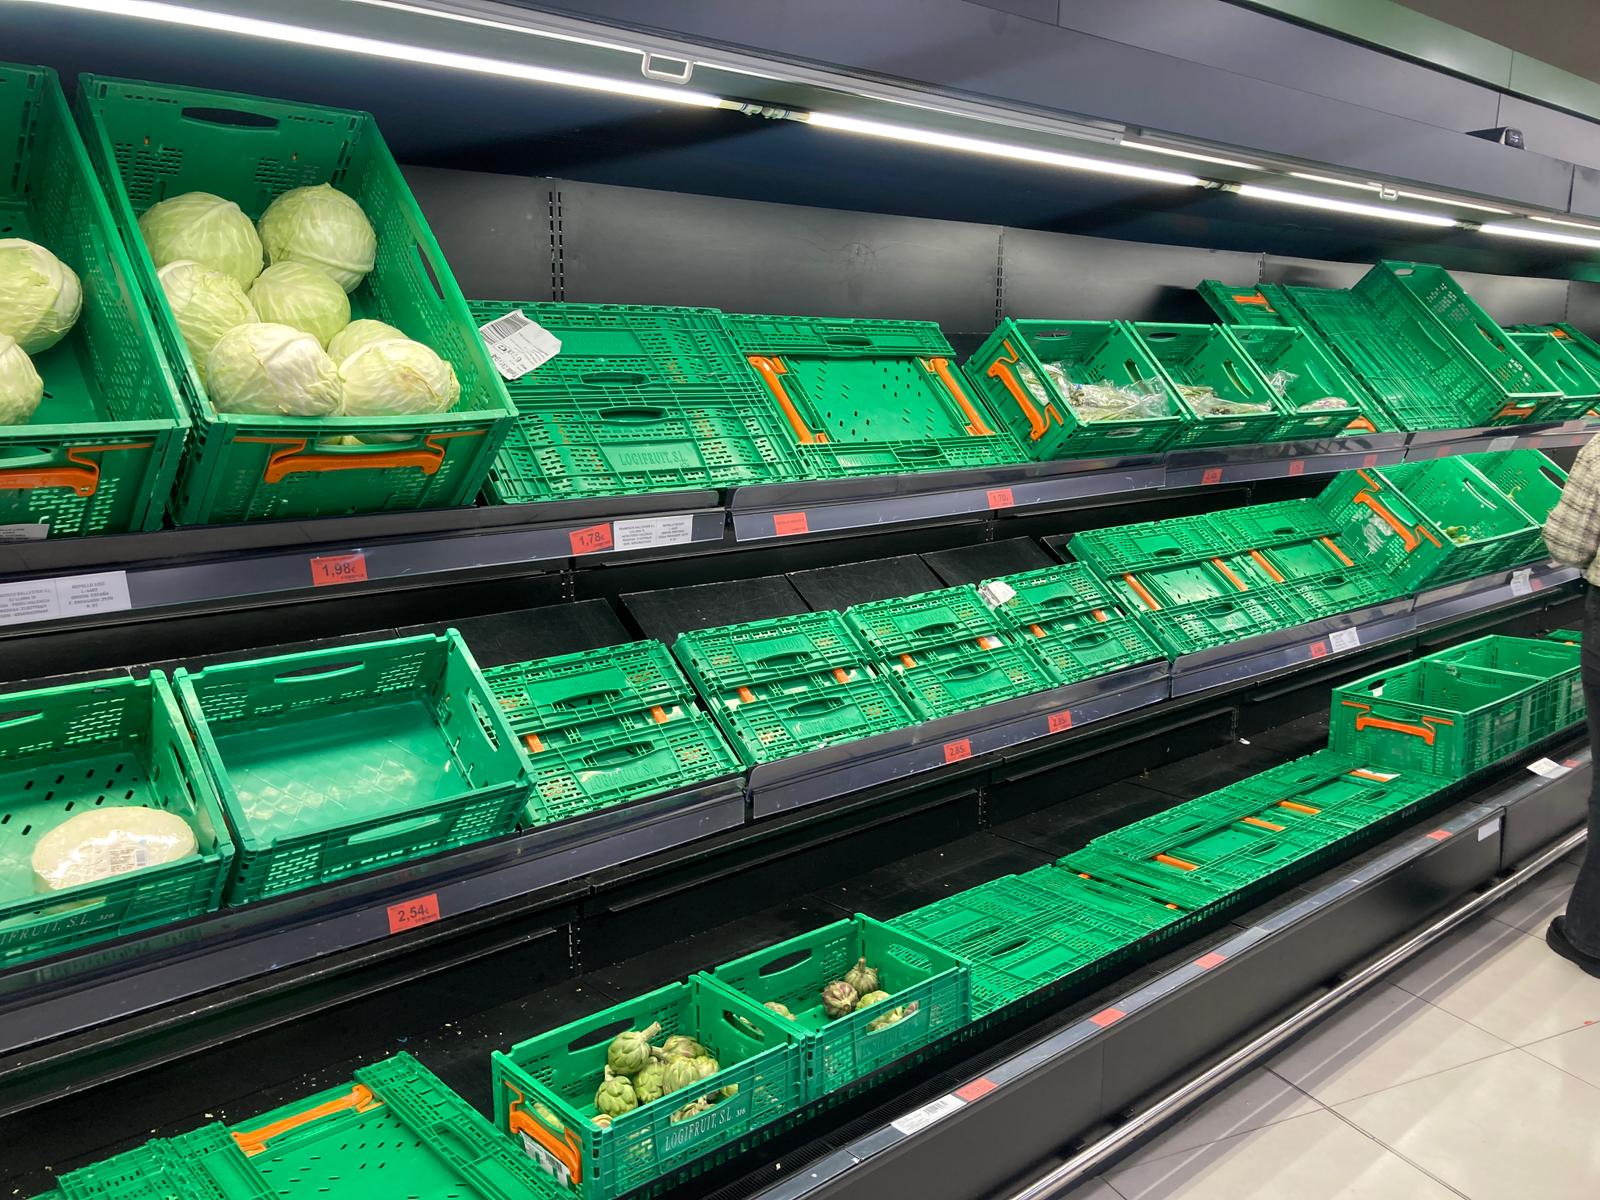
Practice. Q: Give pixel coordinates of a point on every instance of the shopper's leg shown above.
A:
(1582, 925)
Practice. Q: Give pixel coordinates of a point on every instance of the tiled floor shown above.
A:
(1471, 1074)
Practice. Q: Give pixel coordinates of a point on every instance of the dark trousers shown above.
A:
(1583, 909)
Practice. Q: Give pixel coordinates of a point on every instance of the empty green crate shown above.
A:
(1051, 599)
(1530, 481)
(1181, 631)
(1314, 558)
(1196, 894)
(100, 453)
(868, 397)
(1020, 368)
(792, 684)
(1249, 305)
(1123, 548)
(1553, 353)
(338, 761)
(1341, 590)
(1441, 718)
(1197, 359)
(1570, 636)
(1155, 589)
(590, 685)
(544, 1089)
(151, 141)
(1073, 655)
(120, 743)
(1260, 526)
(1215, 830)
(1553, 666)
(932, 987)
(1343, 789)
(1584, 349)
(1305, 381)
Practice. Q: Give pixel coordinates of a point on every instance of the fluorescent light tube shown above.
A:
(1568, 224)
(1328, 204)
(1541, 235)
(1378, 187)
(1152, 148)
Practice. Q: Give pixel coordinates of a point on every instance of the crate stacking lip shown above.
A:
(1306, 382)
(1224, 398)
(640, 399)
(1553, 666)
(791, 684)
(1569, 370)
(1530, 481)
(100, 453)
(859, 397)
(599, 728)
(946, 652)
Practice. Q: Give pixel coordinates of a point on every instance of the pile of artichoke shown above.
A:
(857, 990)
(638, 1072)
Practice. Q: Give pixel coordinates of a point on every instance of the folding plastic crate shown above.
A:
(1206, 370)
(1181, 631)
(338, 761)
(1553, 353)
(120, 743)
(602, 727)
(1150, 544)
(1073, 655)
(1525, 390)
(1573, 637)
(1553, 666)
(151, 141)
(933, 988)
(1156, 589)
(1428, 523)
(544, 1089)
(1313, 558)
(1029, 368)
(1051, 599)
(1316, 398)
(784, 686)
(946, 652)
(1255, 306)
(1442, 718)
(1530, 481)
(1584, 349)
(1342, 590)
(1261, 526)
(101, 452)
(1343, 789)
(1218, 828)
(869, 397)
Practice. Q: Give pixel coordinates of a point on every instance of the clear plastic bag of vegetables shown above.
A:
(1206, 403)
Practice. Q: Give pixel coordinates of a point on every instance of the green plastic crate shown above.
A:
(1553, 353)
(149, 141)
(1441, 718)
(1073, 655)
(1303, 378)
(1156, 589)
(791, 684)
(1204, 356)
(1525, 392)
(1344, 789)
(1532, 482)
(1341, 590)
(1250, 305)
(544, 1090)
(1553, 666)
(118, 743)
(338, 761)
(1428, 523)
(1051, 599)
(1181, 631)
(1261, 526)
(1204, 890)
(1570, 636)
(1149, 544)
(1580, 345)
(935, 989)
(868, 397)
(101, 452)
(946, 652)
(1217, 829)
(1010, 369)
(591, 685)
(1313, 558)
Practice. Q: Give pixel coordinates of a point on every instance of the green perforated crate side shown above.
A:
(1199, 359)
(1263, 305)
(1530, 481)
(1053, 598)
(1306, 381)
(1011, 370)
(770, 651)
(1150, 544)
(147, 143)
(1583, 348)
(933, 989)
(1555, 355)
(127, 746)
(1340, 590)
(589, 685)
(1181, 631)
(101, 452)
(1552, 666)
(333, 762)
(1570, 636)
(1346, 789)
(544, 1089)
(1099, 648)
(1178, 585)
(1261, 526)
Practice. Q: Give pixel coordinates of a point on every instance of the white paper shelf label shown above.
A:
(67, 596)
(996, 592)
(1522, 581)
(518, 344)
(1344, 639)
(1548, 768)
(642, 533)
(934, 1110)
(24, 533)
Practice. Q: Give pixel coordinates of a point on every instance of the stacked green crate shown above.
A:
(1552, 665)
(856, 397)
(1347, 791)
(1224, 398)
(640, 399)
(946, 652)
(1530, 481)
(601, 727)
(1074, 626)
(789, 685)
(1316, 398)
(1583, 349)
(1568, 369)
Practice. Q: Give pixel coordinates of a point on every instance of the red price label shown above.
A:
(1206, 961)
(957, 750)
(1318, 649)
(591, 539)
(1060, 720)
(339, 568)
(1001, 498)
(413, 914)
(1535, 584)
(1211, 475)
(1297, 466)
(1438, 835)
(1107, 1016)
(1370, 461)
(977, 1089)
(789, 524)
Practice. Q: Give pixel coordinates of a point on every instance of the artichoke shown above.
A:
(706, 1065)
(727, 1093)
(692, 1109)
(889, 1018)
(601, 1121)
(629, 1052)
(839, 999)
(781, 1009)
(679, 1073)
(649, 1084)
(682, 1046)
(615, 1097)
(871, 998)
(862, 977)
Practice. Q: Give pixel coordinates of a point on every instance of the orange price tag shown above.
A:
(789, 524)
(1438, 835)
(1206, 961)
(591, 539)
(1211, 475)
(957, 750)
(1369, 461)
(1297, 466)
(338, 568)
(1001, 498)
(412, 914)
(1107, 1016)
(1318, 649)
(1060, 720)
(977, 1089)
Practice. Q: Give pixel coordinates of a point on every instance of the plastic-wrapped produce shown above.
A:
(1205, 401)
(104, 842)
(1325, 402)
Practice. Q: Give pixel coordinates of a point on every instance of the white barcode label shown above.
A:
(1502, 443)
(24, 533)
(644, 532)
(934, 1110)
(518, 344)
(1488, 829)
(996, 592)
(1522, 581)
(1547, 767)
(1344, 639)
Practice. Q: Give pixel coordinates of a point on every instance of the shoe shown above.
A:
(1556, 938)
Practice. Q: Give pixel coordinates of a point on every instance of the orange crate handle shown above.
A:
(1368, 721)
(80, 474)
(565, 1149)
(772, 371)
(941, 368)
(297, 457)
(1038, 422)
(1407, 537)
(254, 1141)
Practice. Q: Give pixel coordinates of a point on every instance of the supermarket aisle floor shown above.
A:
(1473, 1072)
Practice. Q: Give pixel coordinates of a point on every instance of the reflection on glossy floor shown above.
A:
(1473, 1072)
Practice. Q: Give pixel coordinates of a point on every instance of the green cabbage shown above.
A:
(21, 389)
(395, 378)
(323, 228)
(199, 227)
(206, 304)
(358, 334)
(272, 370)
(40, 296)
(301, 297)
